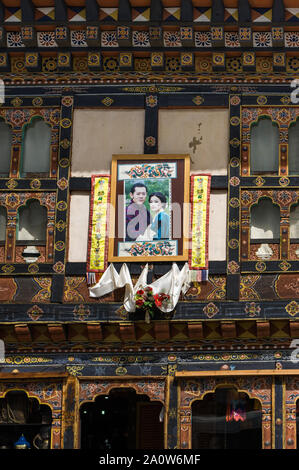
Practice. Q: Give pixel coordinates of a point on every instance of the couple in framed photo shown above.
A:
(149, 197)
(146, 217)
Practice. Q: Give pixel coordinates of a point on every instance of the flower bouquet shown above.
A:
(147, 302)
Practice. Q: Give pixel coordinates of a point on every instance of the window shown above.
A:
(36, 149)
(265, 220)
(22, 415)
(3, 222)
(293, 154)
(226, 419)
(269, 192)
(294, 222)
(5, 149)
(32, 224)
(264, 146)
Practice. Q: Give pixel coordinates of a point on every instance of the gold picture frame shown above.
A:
(149, 208)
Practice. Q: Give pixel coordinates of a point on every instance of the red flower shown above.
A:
(140, 292)
(139, 302)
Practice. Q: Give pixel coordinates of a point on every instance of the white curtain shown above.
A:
(294, 222)
(265, 220)
(32, 222)
(36, 150)
(264, 147)
(3, 221)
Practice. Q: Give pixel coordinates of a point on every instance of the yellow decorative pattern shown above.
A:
(98, 223)
(199, 229)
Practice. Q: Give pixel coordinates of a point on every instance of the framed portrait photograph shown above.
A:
(149, 213)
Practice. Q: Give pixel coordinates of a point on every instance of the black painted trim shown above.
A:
(278, 410)
(159, 269)
(84, 183)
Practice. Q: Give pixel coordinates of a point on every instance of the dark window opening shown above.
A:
(226, 419)
(122, 420)
(23, 416)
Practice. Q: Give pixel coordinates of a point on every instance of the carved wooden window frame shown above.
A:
(272, 186)
(191, 390)
(48, 393)
(18, 119)
(283, 117)
(13, 201)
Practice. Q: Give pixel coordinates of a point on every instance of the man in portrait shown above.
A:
(137, 216)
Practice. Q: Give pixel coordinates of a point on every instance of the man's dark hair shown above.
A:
(137, 185)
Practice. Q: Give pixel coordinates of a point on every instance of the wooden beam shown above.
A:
(56, 332)
(60, 10)
(187, 10)
(94, 332)
(233, 373)
(124, 10)
(228, 329)
(29, 375)
(262, 329)
(156, 11)
(195, 330)
(127, 332)
(27, 11)
(162, 331)
(244, 11)
(217, 11)
(92, 10)
(278, 11)
(23, 333)
(294, 329)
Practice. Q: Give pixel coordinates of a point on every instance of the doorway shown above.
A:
(122, 420)
(226, 419)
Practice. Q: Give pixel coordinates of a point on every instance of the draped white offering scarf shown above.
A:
(172, 283)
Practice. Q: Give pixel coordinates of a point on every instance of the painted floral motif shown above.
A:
(14, 39)
(203, 39)
(108, 39)
(150, 141)
(235, 100)
(59, 267)
(81, 312)
(141, 39)
(152, 249)
(160, 170)
(291, 39)
(233, 267)
(232, 39)
(46, 39)
(172, 39)
(292, 308)
(35, 312)
(151, 101)
(262, 39)
(210, 310)
(78, 38)
(252, 309)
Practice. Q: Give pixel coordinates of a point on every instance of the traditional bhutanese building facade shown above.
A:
(198, 99)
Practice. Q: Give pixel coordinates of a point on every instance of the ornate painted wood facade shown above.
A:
(65, 348)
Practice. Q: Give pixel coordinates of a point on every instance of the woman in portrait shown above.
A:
(160, 220)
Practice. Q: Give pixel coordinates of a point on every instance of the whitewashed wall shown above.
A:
(98, 134)
(179, 127)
